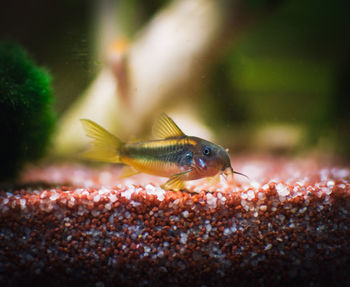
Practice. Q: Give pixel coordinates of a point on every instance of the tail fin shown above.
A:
(106, 147)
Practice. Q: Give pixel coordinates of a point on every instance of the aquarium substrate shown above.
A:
(73, 225)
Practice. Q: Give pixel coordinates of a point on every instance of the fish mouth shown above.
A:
(228, 172)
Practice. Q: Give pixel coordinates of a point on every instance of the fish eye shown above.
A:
(207, 151)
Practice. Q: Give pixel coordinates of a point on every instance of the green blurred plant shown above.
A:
(26, 114)
(292, 71)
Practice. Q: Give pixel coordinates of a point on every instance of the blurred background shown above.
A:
(270, 76)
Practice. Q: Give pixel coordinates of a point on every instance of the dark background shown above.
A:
(290, 70)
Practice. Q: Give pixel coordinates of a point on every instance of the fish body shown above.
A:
(173, 154)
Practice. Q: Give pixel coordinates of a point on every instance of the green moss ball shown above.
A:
(26, 110)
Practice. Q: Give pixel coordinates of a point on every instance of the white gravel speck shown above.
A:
(251, 194)
(211, 200)
(282, 190)
(268, 247)
(97, 198)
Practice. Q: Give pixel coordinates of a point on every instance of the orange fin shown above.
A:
(128, 171)
(176, 182)
(165, 127)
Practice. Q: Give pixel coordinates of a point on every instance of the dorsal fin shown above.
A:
(165, 127)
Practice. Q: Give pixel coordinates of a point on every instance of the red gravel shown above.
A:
(287, 225)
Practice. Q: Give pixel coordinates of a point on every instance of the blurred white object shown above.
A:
(163, 66)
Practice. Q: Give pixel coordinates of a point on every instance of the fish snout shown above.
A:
(227, 173)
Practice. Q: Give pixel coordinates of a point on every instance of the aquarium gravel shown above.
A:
(288, 224)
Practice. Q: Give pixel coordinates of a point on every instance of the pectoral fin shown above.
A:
(128, 171)
(213, 180)
(176, 182)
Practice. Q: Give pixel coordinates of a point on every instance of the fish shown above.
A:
(171, 153)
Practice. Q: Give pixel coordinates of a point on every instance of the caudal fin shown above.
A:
(106, 147)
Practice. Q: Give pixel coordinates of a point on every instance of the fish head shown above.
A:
(211, 158)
